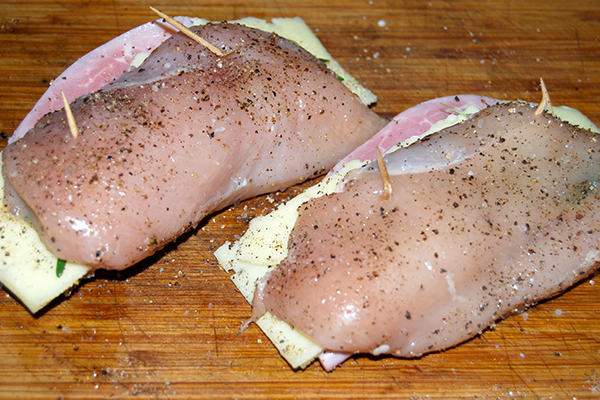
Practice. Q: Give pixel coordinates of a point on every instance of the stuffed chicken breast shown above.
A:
(484, 219)
(186, 133)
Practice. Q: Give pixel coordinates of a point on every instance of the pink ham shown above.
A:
(98, 68)
(183, 135)
(413, 122)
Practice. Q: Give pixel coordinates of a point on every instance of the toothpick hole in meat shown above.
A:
(188, 32)
(70, 118)
(545, 99)
(385, 177)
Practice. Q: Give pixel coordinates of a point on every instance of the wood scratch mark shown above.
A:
(118, 315)
(215, 335)
(391, 375)
(580, 52)
(557, 380)
(513, 372)
(446, 77)
(116, 14)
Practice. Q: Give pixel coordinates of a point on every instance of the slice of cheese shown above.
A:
(264, 245)
(28, 269)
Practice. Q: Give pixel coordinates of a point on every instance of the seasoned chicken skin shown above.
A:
(485, 218)
(186, 133)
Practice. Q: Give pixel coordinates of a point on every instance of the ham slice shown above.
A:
(98, 68)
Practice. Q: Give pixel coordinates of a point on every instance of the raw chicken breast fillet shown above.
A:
(186, 133)
(486, 218)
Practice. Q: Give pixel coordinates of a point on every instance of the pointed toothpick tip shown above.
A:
(385, 177)
(70, 118)
(545, 99)
(185, 30)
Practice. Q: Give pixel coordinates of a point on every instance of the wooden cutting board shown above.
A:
(168, 328)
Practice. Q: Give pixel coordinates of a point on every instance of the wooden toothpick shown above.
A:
(385, 177)
(545, 99)
(188, 32)
(70, 117)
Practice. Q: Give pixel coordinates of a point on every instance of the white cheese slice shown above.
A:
(28, 268)
(575, 118)
(264, 245)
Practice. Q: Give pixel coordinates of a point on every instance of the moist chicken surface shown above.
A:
(185, 134)
(486, 218)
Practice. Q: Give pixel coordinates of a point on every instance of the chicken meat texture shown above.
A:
(486, 218)
(186, 133)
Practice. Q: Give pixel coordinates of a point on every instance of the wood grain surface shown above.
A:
(168, 328)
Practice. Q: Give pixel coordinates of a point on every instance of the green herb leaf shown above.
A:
(60, 267)
(341, 79)
(464, 114)
(324, 60)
